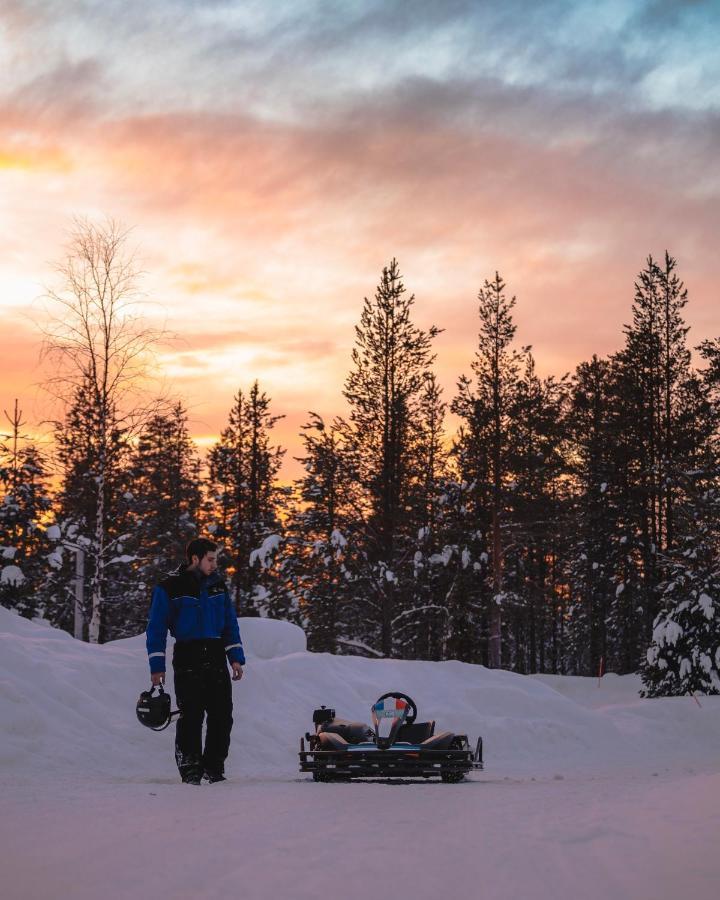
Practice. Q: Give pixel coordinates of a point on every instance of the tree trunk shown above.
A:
(495, 642)
(97, 585)
(79, 618)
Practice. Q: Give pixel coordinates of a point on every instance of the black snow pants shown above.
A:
(202, 687)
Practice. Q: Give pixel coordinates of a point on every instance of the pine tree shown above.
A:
(85, 447)
(655, 442)
(24, 505)
(485, 407)
(684, 654)
(421, 624)
(534, 578)
(162, 501)
(701, 406)
(710, 352)
(391, 362)
(245, 501)
(466, 532)
(596, 552)
(313, 562)
(657, 360)
(165, 484)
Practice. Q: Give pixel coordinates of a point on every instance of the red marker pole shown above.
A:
(601, 669)
(696, 699)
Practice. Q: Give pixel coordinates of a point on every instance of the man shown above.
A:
(194, 605)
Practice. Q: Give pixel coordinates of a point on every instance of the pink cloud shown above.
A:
(261, 239)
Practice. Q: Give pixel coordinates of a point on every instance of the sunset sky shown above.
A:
(271, 157)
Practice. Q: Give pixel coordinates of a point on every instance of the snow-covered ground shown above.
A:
(588, 792)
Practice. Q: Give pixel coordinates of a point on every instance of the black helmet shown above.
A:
(155, 712)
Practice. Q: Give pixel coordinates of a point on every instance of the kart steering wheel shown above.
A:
(412, 710)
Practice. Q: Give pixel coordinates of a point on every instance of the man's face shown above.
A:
(208, 564)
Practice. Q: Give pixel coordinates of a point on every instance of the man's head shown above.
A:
(202, 555)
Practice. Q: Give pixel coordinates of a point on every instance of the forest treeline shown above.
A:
(569, 525)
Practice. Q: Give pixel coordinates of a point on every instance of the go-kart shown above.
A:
(395, 746)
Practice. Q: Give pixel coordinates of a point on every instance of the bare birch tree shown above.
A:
(100, 345)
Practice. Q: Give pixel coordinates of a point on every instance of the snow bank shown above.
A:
(66, 705)
(589, 791)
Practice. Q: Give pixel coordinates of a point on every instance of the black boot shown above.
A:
(191, 777)
(213, 776)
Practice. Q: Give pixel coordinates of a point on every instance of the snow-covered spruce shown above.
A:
(684, 656)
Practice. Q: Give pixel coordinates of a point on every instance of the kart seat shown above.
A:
(352, 732)
(440, 741)
(416, 733)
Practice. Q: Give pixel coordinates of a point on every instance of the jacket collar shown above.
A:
(204, 581)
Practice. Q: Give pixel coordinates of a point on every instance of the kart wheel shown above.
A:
(328, 777)
(452, 777)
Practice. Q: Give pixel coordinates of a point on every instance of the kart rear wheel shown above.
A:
(450, 775)
(328, 777)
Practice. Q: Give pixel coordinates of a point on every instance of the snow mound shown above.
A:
(262, 639)
(270, 638)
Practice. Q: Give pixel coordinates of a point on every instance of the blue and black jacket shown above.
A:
(191, 607)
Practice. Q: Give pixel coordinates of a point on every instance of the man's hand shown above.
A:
(157, 678)
(237, 671)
